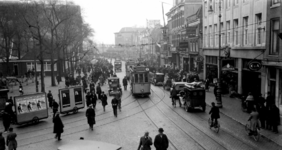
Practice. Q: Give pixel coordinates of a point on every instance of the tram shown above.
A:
(140, 83)
(118, 65)
(128, 66)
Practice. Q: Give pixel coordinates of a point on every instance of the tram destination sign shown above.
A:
(254, 65)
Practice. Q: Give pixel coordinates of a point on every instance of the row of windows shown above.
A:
(47, 66)
(140, 78)
(228, 33)
(214, 4)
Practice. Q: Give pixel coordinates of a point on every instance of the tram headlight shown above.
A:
(147, 69)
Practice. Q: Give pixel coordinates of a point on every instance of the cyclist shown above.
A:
(254, 121)
(214, 112)
(173, 95)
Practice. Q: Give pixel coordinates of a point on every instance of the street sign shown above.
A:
(254, 65)
(199, 58)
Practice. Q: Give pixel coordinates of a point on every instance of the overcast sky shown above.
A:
(108, 16)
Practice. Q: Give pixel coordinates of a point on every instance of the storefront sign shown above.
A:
(191, 31)
(228, 64)
(254, 65)
(199, 58)
(183, 45)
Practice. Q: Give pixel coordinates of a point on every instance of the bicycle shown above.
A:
(255, 134)
(216, 126)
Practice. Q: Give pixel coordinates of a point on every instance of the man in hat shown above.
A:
(161, 140)
(115, 105)
(90, 114)
(145, 142)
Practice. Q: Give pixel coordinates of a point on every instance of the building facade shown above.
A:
(242, 30)
(177, 31)
(273, 56)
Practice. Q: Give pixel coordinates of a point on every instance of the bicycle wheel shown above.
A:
(210, 122)
(217, 127)
(247, 128)
(257, 135)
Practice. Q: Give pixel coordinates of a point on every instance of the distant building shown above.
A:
(127, 36)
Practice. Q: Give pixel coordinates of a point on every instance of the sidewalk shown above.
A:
(232, 108)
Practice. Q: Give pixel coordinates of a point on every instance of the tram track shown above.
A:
(251, 145)
(81, 125)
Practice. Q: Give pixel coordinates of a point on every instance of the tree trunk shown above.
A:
(53, 83)
(42, 68)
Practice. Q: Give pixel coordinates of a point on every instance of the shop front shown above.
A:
(186, 64)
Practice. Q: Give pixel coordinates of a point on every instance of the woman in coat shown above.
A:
(58, 126)
(90, 114)
(254, 121)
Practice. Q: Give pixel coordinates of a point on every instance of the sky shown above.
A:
(108, 16)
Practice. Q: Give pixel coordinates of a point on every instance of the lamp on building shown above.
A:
(218, 96)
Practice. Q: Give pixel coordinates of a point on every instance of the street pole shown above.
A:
(35, 73)
(218, 99)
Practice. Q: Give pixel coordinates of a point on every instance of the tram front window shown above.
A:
(136, 78)
(146, 77)
(141, 78)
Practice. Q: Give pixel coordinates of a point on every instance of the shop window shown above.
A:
(274, 39)
(29, 66)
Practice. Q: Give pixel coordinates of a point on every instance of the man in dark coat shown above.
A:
(92, 87)
(124, 81)
(2, 142)
(104, 99)
(145, 142)
(115, 105)
(11, 140)
(50, 98)
(88, 99)
(275, 118)
(58, 126)
(98, 91)
(90, 114)
(55, 106)
(161, 140)
(6, 120)
(94, 99)
(214, 112)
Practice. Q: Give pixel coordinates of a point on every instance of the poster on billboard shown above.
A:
(78, 96)
(65, 98)
(30, 103)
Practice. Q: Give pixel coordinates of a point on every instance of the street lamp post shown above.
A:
(218, 98)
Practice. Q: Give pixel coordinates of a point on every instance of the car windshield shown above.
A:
(179, 86)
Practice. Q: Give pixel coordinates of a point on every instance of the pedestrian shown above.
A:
(254, 121)
(6, 120)
(58, 77)
(90, 115)
(98, 91)
(145, 142)
(207, 84)
(94, 99)
(124, 81)
(250, 102)
(119, 101)
(261, 100)
(275, 118)
(115, 105)
(161, 140)
(88, 99)
(92, 87)
(215, 90)
(21, 89)
(55, 106)
(104, 99)
(50, 98)
(58, 126)
(2, 142)
(269, 100)
(84, 83)
(9, 107)
(262, 110)
(11, 140)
